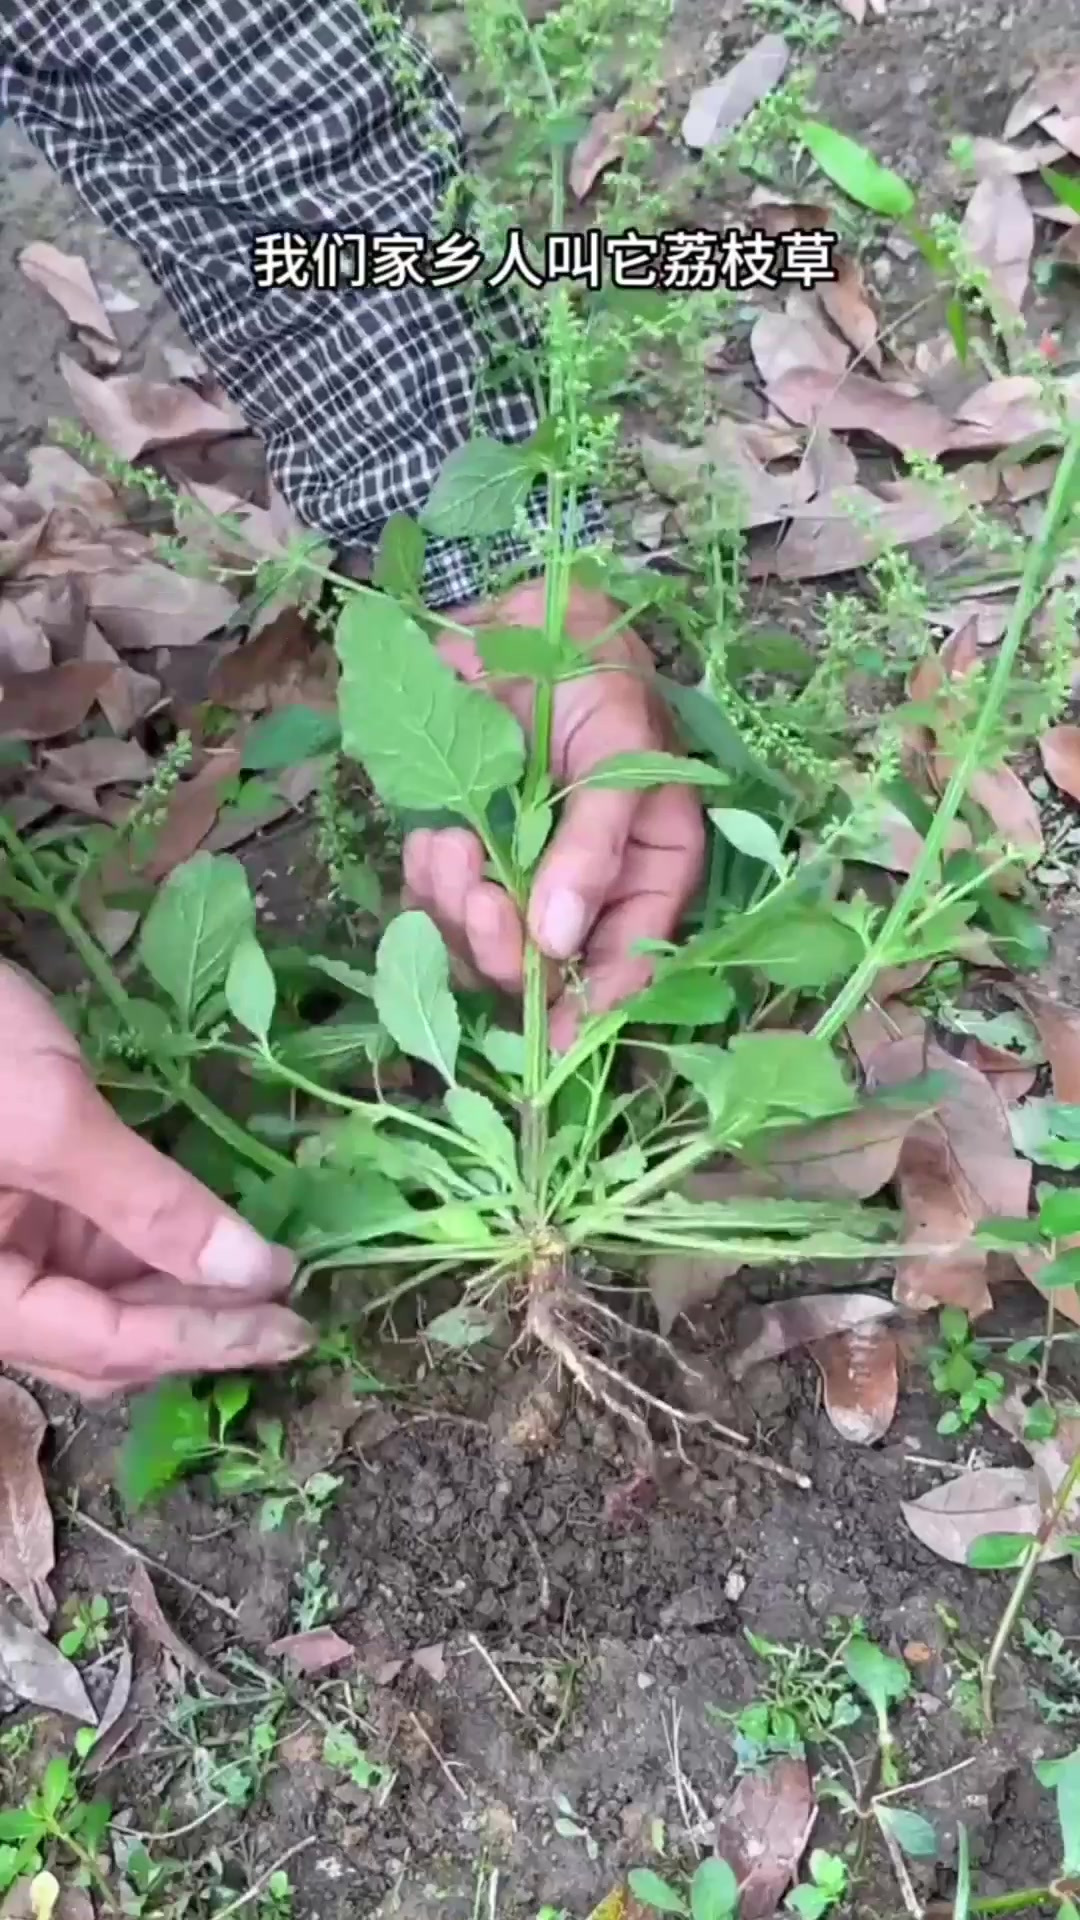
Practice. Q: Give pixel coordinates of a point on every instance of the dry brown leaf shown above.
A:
(853, 1156)
(605, 141)
(190, 813)
(1059, 750)
(1053, 1456)
(998, 232)
(1059, 1030)
(38, 1672)
(716, 109)
(1010, 1078)
(762, 1831)
(128, 696)
(39, 706)
(1026, 483)
(57, 480)
(269, 670)
(119, 1693)
(1003, 797)
(146, 1608)
(999, 414)
(859, 1382)
(101, 762)
(313, 1651)
(1055, 90)
(432, 1661)
(149, 606)
(726, 463)
(680, 1281)
(785, 345)
(995, 157)
(131, 414)
(850, 529)
(951, 1517)
(27, 1544)
(66, 278)
(956, 1168)
(764, 1333)
(1064, 128)
(774, 215)
(846, 302)
(858, 404)
(24, 647)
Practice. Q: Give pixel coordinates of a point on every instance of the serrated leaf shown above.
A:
(479, 1119)
(250, 988)
(168, 1432)
(194, 926)
(480, 489)
(412, 992)
(912, 1833)
(426, 740)
(806, 948)
(635, 772)
(398, 565)
(288, 736)
(748, 833)
(683, 1000)
(855, 171)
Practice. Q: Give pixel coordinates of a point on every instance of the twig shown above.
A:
(136, 1553)
(684, 1788)
(259, 1886)
(914, 1786)
(433, 1749)
(177, 1833)
(912, 1903)
(1024, 1579)
(545, 1583)
(500, 1677)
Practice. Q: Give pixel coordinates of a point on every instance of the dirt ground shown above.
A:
(584, 1632)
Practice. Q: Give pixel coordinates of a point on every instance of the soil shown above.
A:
(587, 1621)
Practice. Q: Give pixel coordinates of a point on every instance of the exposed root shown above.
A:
(557, 1318)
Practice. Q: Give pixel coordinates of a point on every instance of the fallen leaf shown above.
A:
(957, 1167)
(1055, 90)
(680, 1281)
(57, 480)
(127, 696)
(952, 1516)
(38, 1673)
(856, 9)
(853, 1156)
(859, 1380)
(784, 345)
(27, 1542)
(725, 465)
(858, 404)
(1064, 128)
(24, 647)
(999, 414)
(146, 1608)
(66, 278)
(852, 527)
(131, 414)
(606, 139)
(1059, 1030)
(848, 307)
(432, 1661)
(875, 1027)
(998, 233)
(271, 669)
(762, 1831)
(101, 762)
(1059, 750)
(1003, 797)
(1010, 1078)
(149, 606)
(992, 158)
(1053, 1456)
(764, 1333)
(43, 1898)
(38, 706)
(716, 109)
(119, 1693)
(313, 1651)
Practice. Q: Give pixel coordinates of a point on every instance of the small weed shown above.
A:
(1047, 1645)
(89, 1627)
(711, 1894)
(315, 1601)
(801, 24)
(965, 1691)
(276, 1901)
(343, 1751)
(959, 1373)
(825, 1889)
(54, 1824)
(807, 1699)
(570, 1826)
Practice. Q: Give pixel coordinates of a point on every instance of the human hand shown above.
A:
(116, 1266)
(620, 868)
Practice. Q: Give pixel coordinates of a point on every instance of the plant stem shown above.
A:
(1029, 593)
(1024, 1579)
(1014, 1902)
(104, 976)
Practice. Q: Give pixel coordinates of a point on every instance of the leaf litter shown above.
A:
(27, 1542)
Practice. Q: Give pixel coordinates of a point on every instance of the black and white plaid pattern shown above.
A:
(192, 126)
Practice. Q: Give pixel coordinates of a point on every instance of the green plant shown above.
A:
(808, 1699)
(825, 1889)
(1063, 1777)
(53, 1823)
(342, 1750)
(959, 1373)
(89, 1627)
(1047, 1645)
(712, 1892)
(884, 1681)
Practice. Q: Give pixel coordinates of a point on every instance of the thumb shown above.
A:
(155, 1210)
(580, 869)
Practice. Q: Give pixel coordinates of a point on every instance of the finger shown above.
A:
(456, 867)
(54, 1323)
(495, 938)
(580, 869)
(416, 864)
(88, 1160)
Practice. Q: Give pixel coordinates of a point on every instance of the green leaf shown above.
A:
(412, 992)
(762, 1077)
(168, 1432)
(18, 1825)
(360, 884)
(461, 1326)
(993, 1550)
(913, 1834)
(480, 489)
(828, 1870)
(1059, 1214)
(1003, 1234)
(1062, 1272)
(345, 975)
(1064, 1777)
(647, 1886)
(288, 736)
(1041, 1421)
(709, 727)
(426, 740)
(683, 1000)
(635, 772)
(956, 320)
(477, 1117)
(855, 171)
(805, 948)
(198, 919)
(1063, 187)
(399, 557)
(714, 1892)
(55, 1782)
(526, 653)
(250, 988)
(876, 1674)
(330, 1048)
(531, 833)
(808, 1902)
(230, 1396)
(748, 833)
(505, 1051)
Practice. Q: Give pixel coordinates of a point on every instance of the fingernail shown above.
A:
(236, 1256)
(564, 923)
(279, 1344)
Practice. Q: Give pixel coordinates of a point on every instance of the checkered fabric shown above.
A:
(191, 127)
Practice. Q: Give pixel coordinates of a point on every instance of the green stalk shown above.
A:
(105, 977)
(1030, 592)
(1023, 1582)
(1019, 1902)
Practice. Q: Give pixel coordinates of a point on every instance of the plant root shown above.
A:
(565, 1320)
